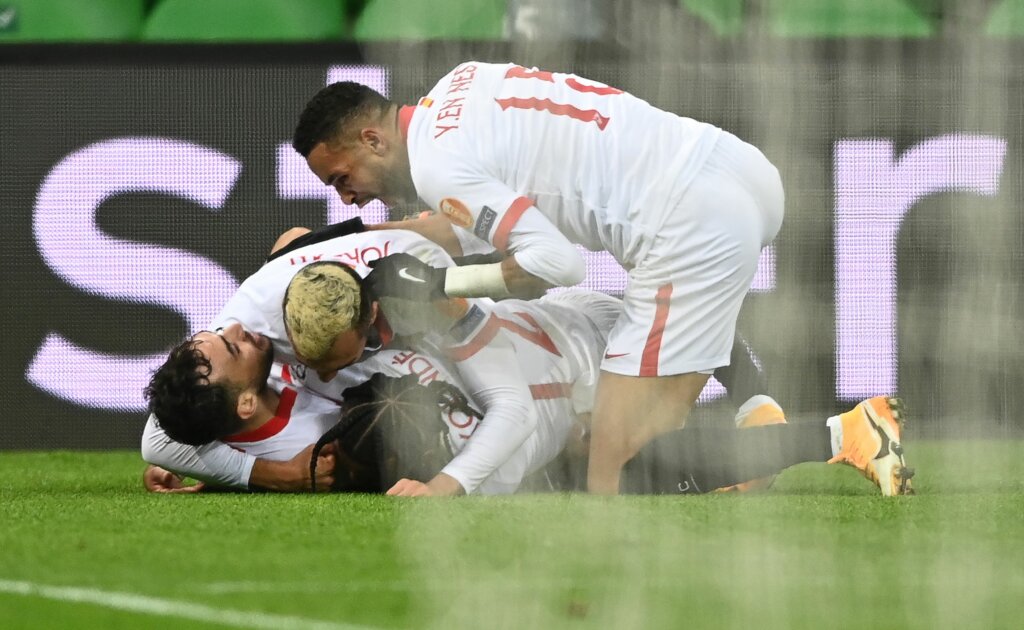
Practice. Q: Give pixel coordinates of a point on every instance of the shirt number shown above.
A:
(558, 109)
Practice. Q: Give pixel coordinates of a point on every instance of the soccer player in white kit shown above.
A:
(480, 343)
(553, 340)
(558, 342)
(532, 162)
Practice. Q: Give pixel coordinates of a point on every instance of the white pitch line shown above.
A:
(170, 607)
(229, 588)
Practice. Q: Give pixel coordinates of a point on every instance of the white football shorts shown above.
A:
(682, 300)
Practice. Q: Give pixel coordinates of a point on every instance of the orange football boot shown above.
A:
(871, 444)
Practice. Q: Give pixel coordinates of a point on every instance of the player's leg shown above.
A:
(668, 340)
(758, 411)
(695, 460)
(681, 305)
(628, 412)
(622, 439)
(700, 459)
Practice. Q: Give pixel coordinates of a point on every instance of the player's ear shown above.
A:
(373, 139)
(247, 404)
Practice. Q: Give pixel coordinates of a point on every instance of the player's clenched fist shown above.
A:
(405, 276)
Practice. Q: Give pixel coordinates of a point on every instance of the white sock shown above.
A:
(835, 427)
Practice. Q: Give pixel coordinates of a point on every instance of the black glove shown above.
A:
(405, 276)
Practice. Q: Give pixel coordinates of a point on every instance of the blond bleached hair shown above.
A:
(323, 300)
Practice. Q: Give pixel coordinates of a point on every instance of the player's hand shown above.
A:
(407, 277)
(325, 462)
(156, 479)
(410, 488)
(293, 475)
(441, 485)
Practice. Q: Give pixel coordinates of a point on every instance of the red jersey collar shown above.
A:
(271, 427)
(405, 115)
(405, 119)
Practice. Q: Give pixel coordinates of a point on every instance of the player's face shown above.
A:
(237, 356)
(369, 168)
(347, 349)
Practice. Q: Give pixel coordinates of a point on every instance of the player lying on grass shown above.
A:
(580, 333)
(373, 397)
(691, 460)
(287, 417)
(277, 426)
(336, 337)
(482, 352)
(378, 442)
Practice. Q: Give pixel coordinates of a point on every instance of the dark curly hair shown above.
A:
(187, 406)
(327, 113)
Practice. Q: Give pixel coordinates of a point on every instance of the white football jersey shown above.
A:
(301, 418)
(557, 340)
(490, 141)
(502, 394)
(257, 304)
(558, 343)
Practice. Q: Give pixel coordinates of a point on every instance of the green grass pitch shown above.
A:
(82, 545)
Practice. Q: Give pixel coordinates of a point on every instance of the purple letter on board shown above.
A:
(75, 249)
(874, 190)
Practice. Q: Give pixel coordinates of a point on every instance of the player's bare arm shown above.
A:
(293, 475)
(435, 227)
(521, 282)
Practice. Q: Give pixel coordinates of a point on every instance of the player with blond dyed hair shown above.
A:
(466, 330)
(325, 288)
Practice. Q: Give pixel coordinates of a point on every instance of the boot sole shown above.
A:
(892, 465)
